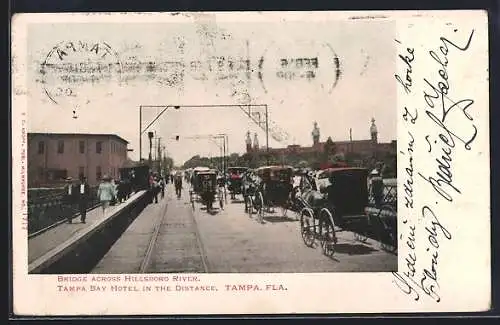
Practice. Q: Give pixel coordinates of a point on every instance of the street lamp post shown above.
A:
(141, 130)
(223, 147)
(267, 137)
(150, 136)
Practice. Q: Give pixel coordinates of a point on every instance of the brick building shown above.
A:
(55, 156)
(366, 147)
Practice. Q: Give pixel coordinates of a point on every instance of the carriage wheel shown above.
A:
(307, 228)
(260, 211)
(388, 235)
(283, 210)
(327, 234)
(378, 227)
(249, 205)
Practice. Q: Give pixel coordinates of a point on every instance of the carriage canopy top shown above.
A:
(343, 170)
(200, 168)
(282, 173)
(275, 168)
(207, 172)
(237, 169)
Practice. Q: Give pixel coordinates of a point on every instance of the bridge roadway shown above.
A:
(171, 237)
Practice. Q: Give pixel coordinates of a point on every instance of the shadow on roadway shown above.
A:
(278, 219)
(213, 212)
(353, 249)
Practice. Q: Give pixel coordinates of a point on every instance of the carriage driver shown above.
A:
(377, 187)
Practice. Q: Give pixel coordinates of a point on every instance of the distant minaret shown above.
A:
(373, 131)
(248, 142)
(255, 142)
(315, 134)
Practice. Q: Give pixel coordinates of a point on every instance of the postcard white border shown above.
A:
(465, 271)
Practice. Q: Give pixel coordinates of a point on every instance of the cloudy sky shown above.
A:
(185, 47)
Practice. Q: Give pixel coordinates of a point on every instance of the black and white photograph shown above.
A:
(205, 153)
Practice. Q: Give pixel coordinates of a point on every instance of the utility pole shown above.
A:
(159, 154)
(150, 136)
(350, 139)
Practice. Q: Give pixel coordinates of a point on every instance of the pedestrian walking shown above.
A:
(68, 200)
(83, 197)
(178, 185)
(106, 193)
(153, 188)
(115, 190)
(133, 182)
(162, 187)
(121, 191)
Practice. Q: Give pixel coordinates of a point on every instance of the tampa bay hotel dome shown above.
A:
(363, 147)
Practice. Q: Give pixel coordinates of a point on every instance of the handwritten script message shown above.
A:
(452, 129)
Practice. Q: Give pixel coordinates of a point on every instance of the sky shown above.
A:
(365, 88)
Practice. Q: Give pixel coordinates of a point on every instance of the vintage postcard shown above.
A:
(250, 163)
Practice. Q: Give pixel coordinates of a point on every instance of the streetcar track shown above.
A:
(201, 247)
(152, 241)
(159, 222)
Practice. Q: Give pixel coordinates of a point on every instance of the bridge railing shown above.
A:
(45, 207)
(389, 197)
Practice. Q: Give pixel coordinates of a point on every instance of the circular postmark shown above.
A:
(71, 69)
(306, 63)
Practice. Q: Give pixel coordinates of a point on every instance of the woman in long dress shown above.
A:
(106, 192)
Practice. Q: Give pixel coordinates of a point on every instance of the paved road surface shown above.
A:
(171, 237)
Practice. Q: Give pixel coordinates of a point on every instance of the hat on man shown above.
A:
(68, 179)
(105, 177)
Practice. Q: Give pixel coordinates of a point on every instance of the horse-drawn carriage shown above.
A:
(337, 199)
(205, 189)
(234, 181)
(267, 188)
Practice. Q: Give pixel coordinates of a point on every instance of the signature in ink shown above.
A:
(440, 93)
(442, 181)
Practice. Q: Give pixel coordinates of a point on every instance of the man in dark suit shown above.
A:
(68, 199)
(83, 190)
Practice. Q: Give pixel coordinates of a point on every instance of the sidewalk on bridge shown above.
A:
(46, 241)
(127, 254)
